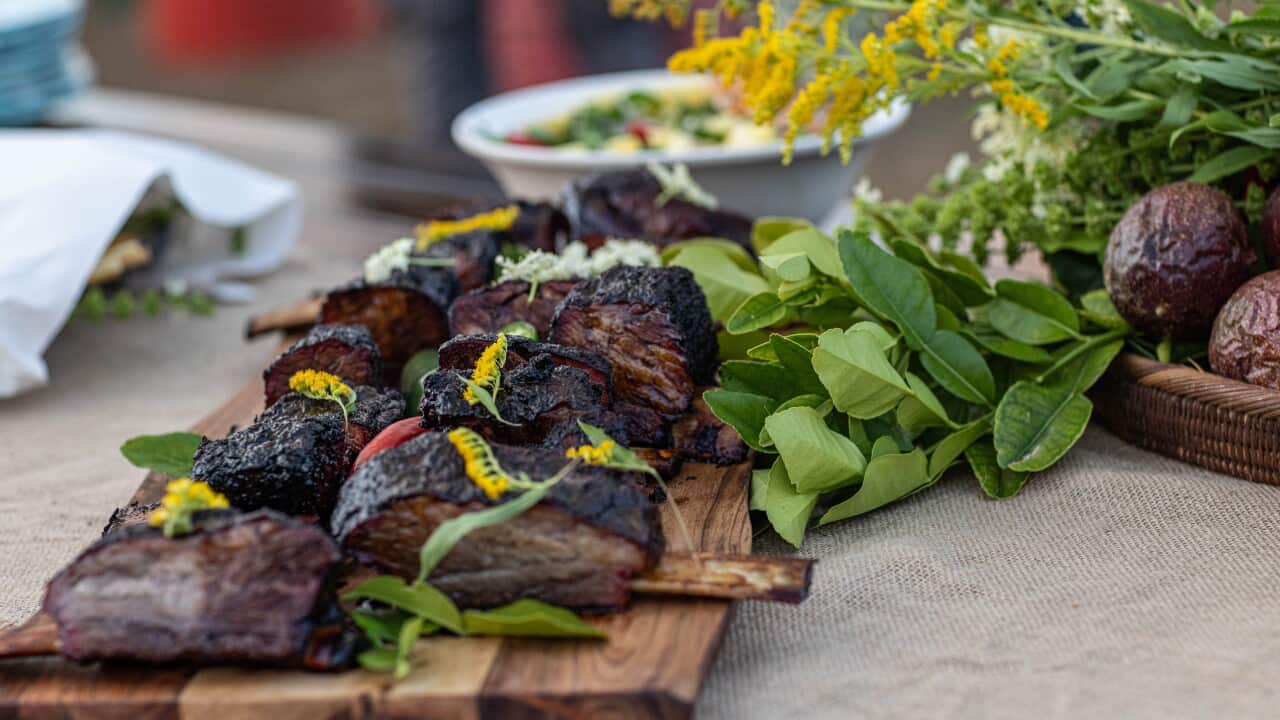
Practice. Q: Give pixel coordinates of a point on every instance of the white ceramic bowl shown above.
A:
(750, 179)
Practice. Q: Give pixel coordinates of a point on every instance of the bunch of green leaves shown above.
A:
(877, 370)
(96, 304)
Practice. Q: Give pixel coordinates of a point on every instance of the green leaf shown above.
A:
(1035, 425)
(378, 660)
(769, 379)
(419, 599)
(1062, 66)
(816, 247)
(170, 454)
(787, 510)
(486, 399)
(949, 449)
(817, 458)
(759, 489)
(766, 230)
(890, 287)
(922, 409)
(855, 372)
(1004, 347)
(1230, 162)
(789, 267)
(528, 618)
(798, 361)
(889, 477)
(1099, 310)
(621, 457)
(728, 248)
(1032, 314)
(959, 368)
(725, 285)
(968, 290)
(1180, 108)
(1082, 364)
(1164, 24)
(997, 482)
(1235, 71)
(450, 532)
(746, 412)
(756, 313)
(1123, 112)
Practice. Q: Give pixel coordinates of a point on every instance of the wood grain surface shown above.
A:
(652, 665)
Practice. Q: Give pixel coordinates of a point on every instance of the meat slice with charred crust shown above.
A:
(347, 351)
(626, 204)
(254, 588)
(462, 352)
(375, 409)
(702, 437)
(290, 464)
(404, 314)
(539, 397)
(654, 328)
(490, 309)
(579, 547)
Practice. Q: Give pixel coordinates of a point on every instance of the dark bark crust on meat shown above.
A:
(539, 396)
(374, 410)
(703, 437)
(488, 310)
(293, 465)
(392, 503)
(129, 515)
(347, 351)
(403, 315)
(650, 324)
(462, 352)
(473, 255)
(240, 588)
(624, 204)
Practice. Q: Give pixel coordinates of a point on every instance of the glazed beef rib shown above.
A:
(347, 351)
(490, 309)
(578, 548)
(251, 588)
(375, 409)
(654, 328)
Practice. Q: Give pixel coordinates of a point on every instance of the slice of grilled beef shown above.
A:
(702, 437)
(404, 314)
(626, 204)
(347, 351)
(539, 398)
(472, 253)
(490, 309)
(241, 588)
(462, 352)
(654, 328)
(290, 464)
(374, 410)
(578, 548)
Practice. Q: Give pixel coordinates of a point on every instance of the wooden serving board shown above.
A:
(652, 665)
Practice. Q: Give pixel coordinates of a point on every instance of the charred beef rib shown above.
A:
(404, 314)
(290, 464)
(252, 588)
(578, 548)
(347, 351)
(543, 399)
(625, 204)
(490, 309)
(654, 328)
(375, 409)
(700, 436)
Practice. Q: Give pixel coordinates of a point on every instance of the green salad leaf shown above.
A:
(529, 618)
(169, 454)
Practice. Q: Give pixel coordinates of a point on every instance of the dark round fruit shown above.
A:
(1245, 344)
(1174, 259)
(1271, 228)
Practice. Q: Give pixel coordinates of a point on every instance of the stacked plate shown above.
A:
(40, 63)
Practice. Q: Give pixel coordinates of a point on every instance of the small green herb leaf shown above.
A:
(485, 399)
(450, 532)
(170, 454)
(417, 598)
(889, 477)
(528, 618)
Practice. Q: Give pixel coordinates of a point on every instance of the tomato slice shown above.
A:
(396, 434)
(640, 130)
(519, 137)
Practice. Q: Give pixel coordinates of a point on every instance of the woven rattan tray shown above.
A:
(1194, 416)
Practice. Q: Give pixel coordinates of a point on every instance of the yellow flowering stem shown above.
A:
(182, 499)
(495, 220)
(320, 385)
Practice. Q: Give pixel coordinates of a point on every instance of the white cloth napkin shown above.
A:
(65, 194)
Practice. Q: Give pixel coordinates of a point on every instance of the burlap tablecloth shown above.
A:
(1120, 584)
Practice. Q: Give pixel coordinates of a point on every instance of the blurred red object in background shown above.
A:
(191, 31)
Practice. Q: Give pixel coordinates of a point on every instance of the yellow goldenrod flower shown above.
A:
(935, 71)
(182, 498)
(592, 454)
(706, 25)
(488, 370)
(831, 26)
(479, 463)
(500, 219)
(320, 385)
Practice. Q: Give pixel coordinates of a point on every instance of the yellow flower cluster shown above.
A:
(321, 385)
(500, 219)
(1024, 106)
(592, 454)
(480, 464)
(182, 497)
(675, 11)
(488, 370)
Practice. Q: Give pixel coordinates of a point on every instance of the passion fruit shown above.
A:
(1174, 259)
(1245, 344)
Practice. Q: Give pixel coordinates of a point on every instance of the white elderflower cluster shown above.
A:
(394, 256)
(575, 261)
